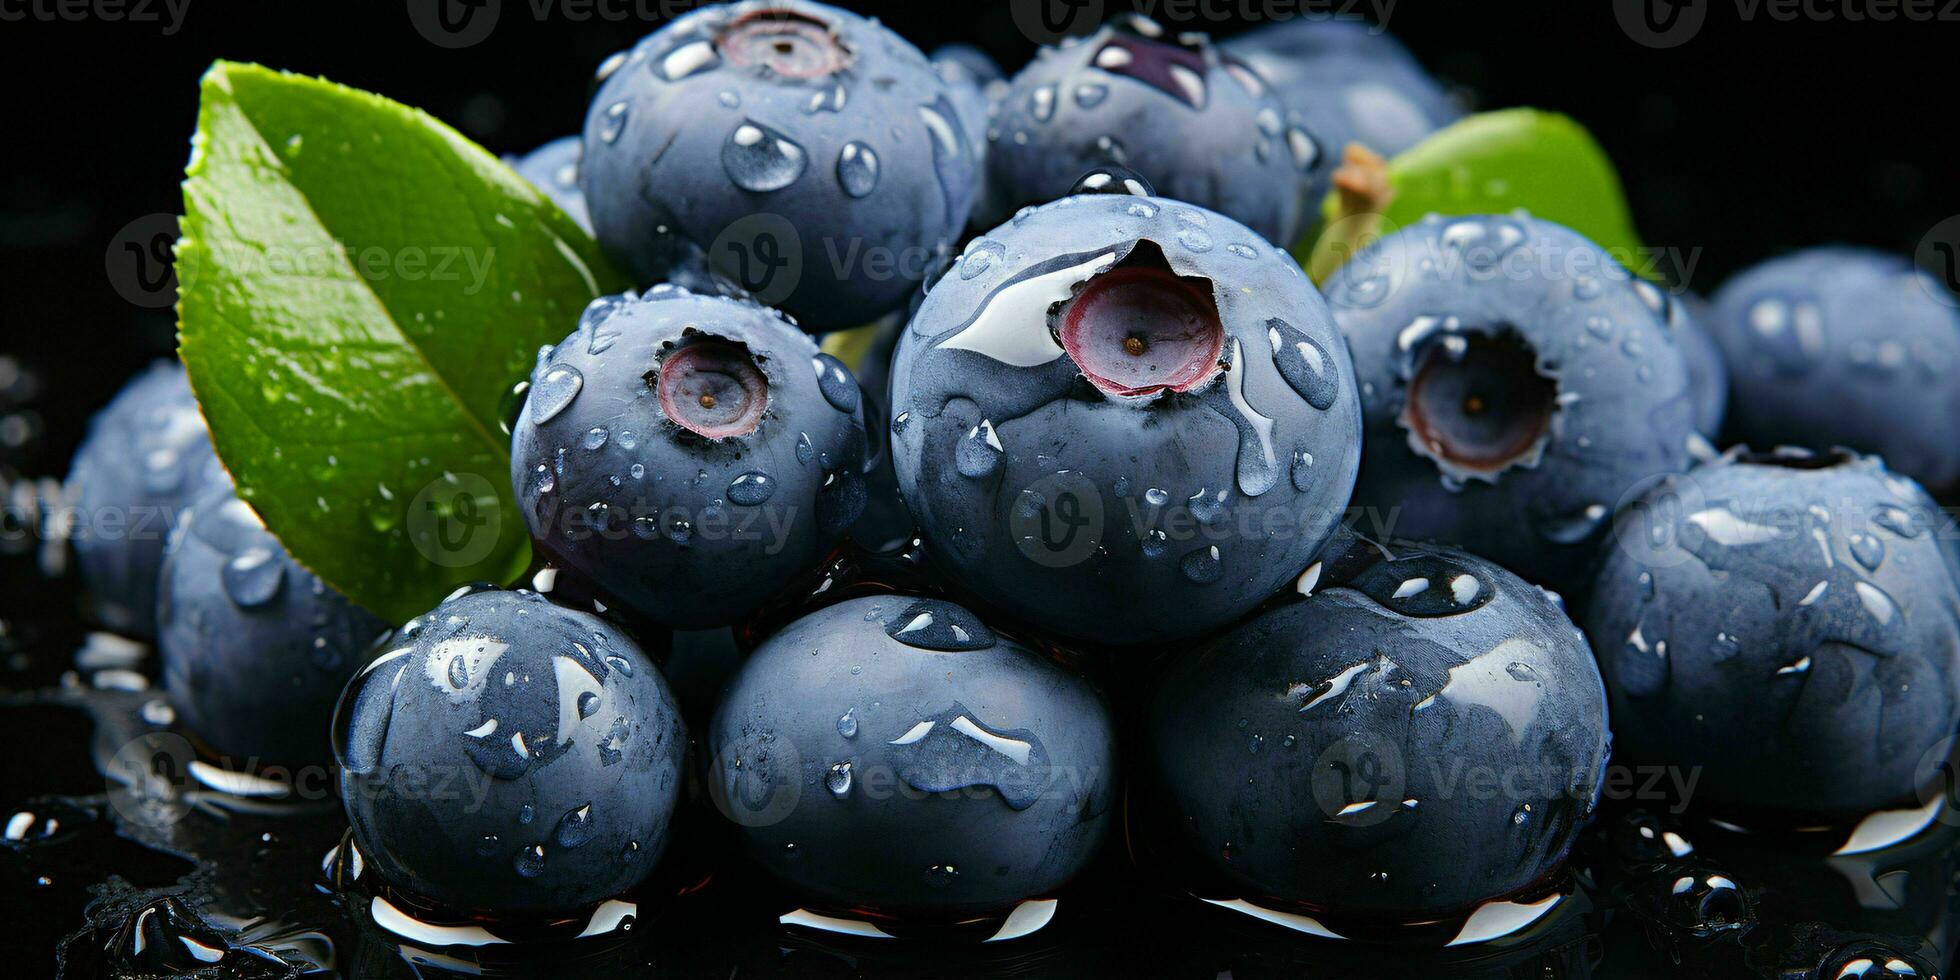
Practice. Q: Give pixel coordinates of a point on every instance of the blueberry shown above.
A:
(810, 154)
(1200, 125)
(255, 648)
(1845, 347)
(1124, 418)
(976, 83)
(968, 64)
(1708, 368)
(691, 455)
(146, 457)
(1424, 733)
(509, 757)
(553, 167)
(1350, 82)
(1517, 383)
(895, 754)
(1784, 622)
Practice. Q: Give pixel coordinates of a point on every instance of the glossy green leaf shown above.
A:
(1496, 162)
(360, 287)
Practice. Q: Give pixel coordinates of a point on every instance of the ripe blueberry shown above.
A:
(1350, 82)
(1517, 383)
(690, 455)
(509, 756)
(1786, 624)
(1845, 347)
(1708, 369)
(894, 754)
(255, 648)
(553, 167)
(146, 457)
(806, 152)
(1424, 733)
(1197, 123)
(1124, 418)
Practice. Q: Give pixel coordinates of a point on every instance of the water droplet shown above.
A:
(838, 780)
(1091, 95)
(760, 159)
(857, 169)
(1203, 566)
(751, 489)
(554, 392)
(1304, 363)
(847, 724)
(689, 59)
(530, 861)
(588, 704)
(981, 256)
(613, 123)
(596, 437)
(979, 453)
(253, 578)
(836, 383)
(942, 875)
(1868, 550)
(1156, 496)
(575, 827)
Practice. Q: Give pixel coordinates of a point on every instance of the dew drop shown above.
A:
(760, 159)
(857, 169)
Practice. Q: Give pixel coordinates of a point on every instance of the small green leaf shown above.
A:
(359, 289)
(1495, 162)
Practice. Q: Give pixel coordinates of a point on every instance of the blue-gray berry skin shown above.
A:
(690, 455)
(255, 648)
(1197, 123)
(1349, 81)
(1786, 623)
(810, 154)
(1517, 383)
(1320, 757)
(1847, 347)
(146, 457)
(893, 753)
(508, 756)
(1708, 367)
(976, 83)
(553, 167)
(1049, 491)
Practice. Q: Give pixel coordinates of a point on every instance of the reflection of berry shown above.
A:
(255, 648)
(691, 455)
(1124, 418)
(146, 457)
(820, 119)
(1318, 755)
(911, 761)
(510, 756)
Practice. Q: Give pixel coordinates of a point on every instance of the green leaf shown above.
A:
(359, 289)
(1495, 162)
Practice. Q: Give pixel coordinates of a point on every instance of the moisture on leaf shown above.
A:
(360, 288)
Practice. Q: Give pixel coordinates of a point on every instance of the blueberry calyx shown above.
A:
(1140, 328)
(1478, 404)
(1112, 179)
(785, 43)
(712, 388)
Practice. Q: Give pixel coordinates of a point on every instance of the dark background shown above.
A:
(1756, 136)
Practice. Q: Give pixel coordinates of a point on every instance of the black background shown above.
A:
(1760, 134)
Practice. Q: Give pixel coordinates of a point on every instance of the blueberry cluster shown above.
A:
(1312, 545)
